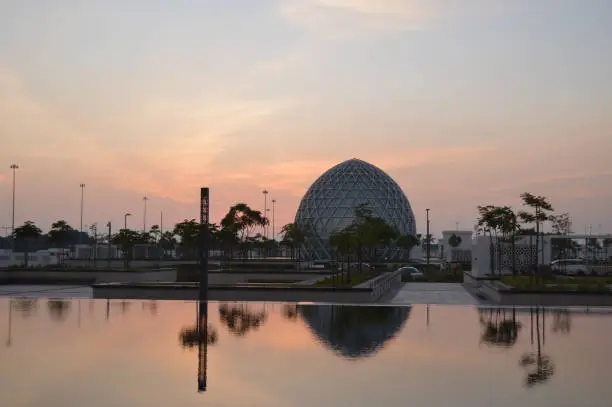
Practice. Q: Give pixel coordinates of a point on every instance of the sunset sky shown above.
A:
(462, 102)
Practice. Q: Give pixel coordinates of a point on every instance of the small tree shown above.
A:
(541, 213)
(407, 243)
(59, 236)
(344, 243)
(242, 221)
(26, 233)
(167, 242)
(561, 225)
(188, 231)
(126, 239)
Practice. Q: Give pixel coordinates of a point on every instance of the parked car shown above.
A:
(411, 271)
(570, 267)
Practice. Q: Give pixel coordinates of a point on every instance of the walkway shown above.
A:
(433, 293)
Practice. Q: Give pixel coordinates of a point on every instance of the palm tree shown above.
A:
(25, 233)
(293, 236)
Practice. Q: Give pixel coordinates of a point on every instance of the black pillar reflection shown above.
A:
(202, 314)
(203, 294)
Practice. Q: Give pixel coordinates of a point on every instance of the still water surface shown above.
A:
(82, 352)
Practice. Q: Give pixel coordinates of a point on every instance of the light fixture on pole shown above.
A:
(13, 167)
(82, 202)
(427, 238)
(144, 215)
(265, 193)
(125, 220)
(273, 207)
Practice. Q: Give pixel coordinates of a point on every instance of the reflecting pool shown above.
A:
(82, 352)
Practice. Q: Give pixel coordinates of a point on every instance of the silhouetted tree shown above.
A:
(26, 233)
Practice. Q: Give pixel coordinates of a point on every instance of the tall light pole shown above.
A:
(265, 193)
(144, 215)
(13, 167)
(273, 229)
(82, 202)
(125, 220)
(108, 254)
(427, 238)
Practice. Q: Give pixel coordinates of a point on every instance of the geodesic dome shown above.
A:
(329, 204)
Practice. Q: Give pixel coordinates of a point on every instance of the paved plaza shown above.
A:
(433, 293)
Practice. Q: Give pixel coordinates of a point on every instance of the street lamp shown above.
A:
(144, 216)
(427, 237)
(82, 201)
(265, 192)
(273, 206)
(13, 167)
(125, 220)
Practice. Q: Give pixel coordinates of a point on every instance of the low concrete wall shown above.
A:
(190, 292)
(380, 285)
(498, 294)
(82, 275)
(235, 277)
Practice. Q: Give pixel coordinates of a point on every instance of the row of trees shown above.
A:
(366, 238)
(237, 232)
(504, 227)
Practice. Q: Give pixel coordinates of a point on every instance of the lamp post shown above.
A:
(265, 193)
(427, 237)
(125, 220)
(144, 215)
(273, 229)
(108, 255)
(82, 202)
(13, 167)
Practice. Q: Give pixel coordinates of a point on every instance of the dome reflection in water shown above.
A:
(354, 331)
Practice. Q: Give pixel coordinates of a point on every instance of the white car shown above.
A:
(412, 271)
(570, 267)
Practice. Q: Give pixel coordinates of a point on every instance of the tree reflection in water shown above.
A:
(25, 306)
(562, 321)
(192, 337)
(58, 309)
(290, 312)
(539, 366)
(151, 306)
(239, 319)
(354, 331)
(500, 329)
